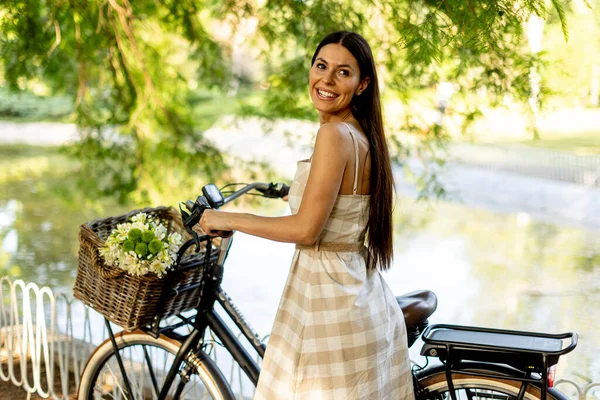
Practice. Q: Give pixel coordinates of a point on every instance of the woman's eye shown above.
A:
(344, 72)
(321, 66)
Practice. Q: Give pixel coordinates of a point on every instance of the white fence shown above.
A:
(39, 351)
(542, 163)
(46, 339)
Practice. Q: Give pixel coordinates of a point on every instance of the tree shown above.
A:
(131, 66)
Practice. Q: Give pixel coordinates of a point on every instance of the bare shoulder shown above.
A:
(333, 133)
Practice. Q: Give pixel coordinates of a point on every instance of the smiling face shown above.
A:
(334, 81)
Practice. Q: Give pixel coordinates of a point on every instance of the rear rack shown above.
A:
(529, 352)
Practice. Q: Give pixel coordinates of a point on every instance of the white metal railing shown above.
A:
(44, 345)
(41, 352)
(33, 345)
(585, 392)
(543, 163)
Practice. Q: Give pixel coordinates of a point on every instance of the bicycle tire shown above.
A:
(436, 388)
(101, 377)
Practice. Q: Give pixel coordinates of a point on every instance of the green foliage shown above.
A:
(480, 46)
(131, 92)
(131, 67)
(562, 17)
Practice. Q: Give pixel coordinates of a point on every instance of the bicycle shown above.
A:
(159, 362)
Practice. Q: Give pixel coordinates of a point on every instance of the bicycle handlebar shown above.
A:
(270, 191)
(212, 198)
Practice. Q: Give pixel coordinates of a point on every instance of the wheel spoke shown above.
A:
(151, 370)
(147, 362)
(116, 383)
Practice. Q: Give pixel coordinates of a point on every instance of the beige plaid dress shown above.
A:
(338, 332)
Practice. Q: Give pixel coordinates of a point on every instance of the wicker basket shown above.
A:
(132, 301)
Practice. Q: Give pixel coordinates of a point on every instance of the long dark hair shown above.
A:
(366, 108)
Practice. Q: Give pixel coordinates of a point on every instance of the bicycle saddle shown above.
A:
(417, 307)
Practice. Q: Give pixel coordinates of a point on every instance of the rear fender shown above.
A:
(501, 371)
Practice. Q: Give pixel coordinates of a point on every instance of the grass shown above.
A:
(24, 106)
(575, 131)
(580, 143)
(583, 143)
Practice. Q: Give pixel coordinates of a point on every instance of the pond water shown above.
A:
(489, 269)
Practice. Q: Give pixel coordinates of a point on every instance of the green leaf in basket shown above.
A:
(155, 246)
(128, 245)
(147, 236)
(141, 249)
(135, 234)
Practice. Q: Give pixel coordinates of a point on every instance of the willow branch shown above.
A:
(58, 38)
(82, 84)
(125, 14)
(125, 63)
(119, 9)
(100, 18)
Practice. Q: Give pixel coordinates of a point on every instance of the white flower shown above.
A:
(175, 238)
(140, 217)
(135, 264)
(160, 232)
(140, 225)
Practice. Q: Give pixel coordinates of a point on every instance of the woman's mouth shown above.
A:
(326, 95)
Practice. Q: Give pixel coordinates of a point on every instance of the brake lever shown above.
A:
(193, 217)
(185, 218)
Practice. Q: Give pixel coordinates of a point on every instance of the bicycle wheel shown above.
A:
(477, 388)
(147, 362)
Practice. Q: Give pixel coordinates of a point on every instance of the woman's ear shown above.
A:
(362, 86)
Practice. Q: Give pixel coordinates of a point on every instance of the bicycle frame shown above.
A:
(216, 324)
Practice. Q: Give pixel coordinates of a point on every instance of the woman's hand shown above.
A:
(213, 223)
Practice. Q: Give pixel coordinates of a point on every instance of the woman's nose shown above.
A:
(328, 78)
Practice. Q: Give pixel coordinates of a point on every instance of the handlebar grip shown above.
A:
(275, 191)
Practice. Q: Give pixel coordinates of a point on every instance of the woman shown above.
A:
(338, 333)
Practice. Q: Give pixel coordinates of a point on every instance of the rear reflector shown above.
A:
(551, 374)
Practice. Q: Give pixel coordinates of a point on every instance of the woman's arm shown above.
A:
(329, 161)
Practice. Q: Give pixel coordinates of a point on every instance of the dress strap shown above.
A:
(355, 141)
